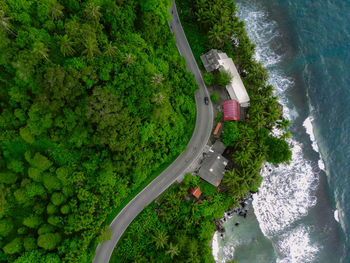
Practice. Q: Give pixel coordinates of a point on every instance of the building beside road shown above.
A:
(218, 60)
(214, 165)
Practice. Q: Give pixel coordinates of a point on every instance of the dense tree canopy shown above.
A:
(278, 151)
(230, 133)
(94, 98)
(175, 228)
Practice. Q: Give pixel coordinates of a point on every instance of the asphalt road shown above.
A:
(200, 137)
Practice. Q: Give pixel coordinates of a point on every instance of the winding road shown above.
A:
(200, 137)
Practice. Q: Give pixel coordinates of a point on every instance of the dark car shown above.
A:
(206, 100)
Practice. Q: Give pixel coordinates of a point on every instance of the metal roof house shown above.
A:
(214, 165)
(233, 112)
(216, 59)
(218, 147)
(213, 168)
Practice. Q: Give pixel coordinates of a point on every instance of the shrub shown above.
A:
(208, 78)
(208, 189)
(223, 78)
(49, 241)
(15, 246)
(214, 97)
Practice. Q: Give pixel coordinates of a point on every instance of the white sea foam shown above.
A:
(215, 246)
(285, 194)
(336, 215)
(295, 247)
(310, 130)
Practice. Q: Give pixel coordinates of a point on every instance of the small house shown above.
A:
(213, 168)
(218, 147)
(196, 192)
(233, 112)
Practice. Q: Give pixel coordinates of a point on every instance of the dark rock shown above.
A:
(237, 224)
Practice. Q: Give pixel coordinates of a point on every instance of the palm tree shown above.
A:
(241, 158)
(66, 46)
(4, 22)
(159, 98)
(157, 79)
(110, 50)
(283, 124)
(173, 250)
(160, 238)
(129, 59)
(91, 48)
(40, 50)
(93, 12)
(56, 10)
(217, 35)
(259, 121)
(236, 184)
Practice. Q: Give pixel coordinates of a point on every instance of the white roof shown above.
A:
(222, 55)
(236, 88)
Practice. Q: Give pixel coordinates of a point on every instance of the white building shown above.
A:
(215, 59)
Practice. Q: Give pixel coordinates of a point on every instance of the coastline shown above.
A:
(266, 26)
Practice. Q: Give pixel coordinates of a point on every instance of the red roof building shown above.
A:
(196, 192)
(231, 110)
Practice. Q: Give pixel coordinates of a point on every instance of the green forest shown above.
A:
(94, 99)
(177, 227)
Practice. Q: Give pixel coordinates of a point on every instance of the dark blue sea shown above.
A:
(302, 211)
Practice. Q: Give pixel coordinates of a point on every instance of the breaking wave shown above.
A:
(310, 131)
(297, 246)
(285, 194)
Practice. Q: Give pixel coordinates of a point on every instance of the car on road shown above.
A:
(206, 100)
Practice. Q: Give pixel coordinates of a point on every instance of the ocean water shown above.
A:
(302, 211)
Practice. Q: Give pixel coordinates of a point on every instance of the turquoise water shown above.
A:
(306, 47)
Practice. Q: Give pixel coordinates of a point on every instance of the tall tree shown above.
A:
(66, 46)
(173, 250)
(160, 238)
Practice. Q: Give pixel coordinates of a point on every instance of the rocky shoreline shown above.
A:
(241, 210)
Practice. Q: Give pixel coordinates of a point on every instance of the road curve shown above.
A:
(200, 137)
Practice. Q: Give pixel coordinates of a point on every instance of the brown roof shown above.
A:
(196, 192)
